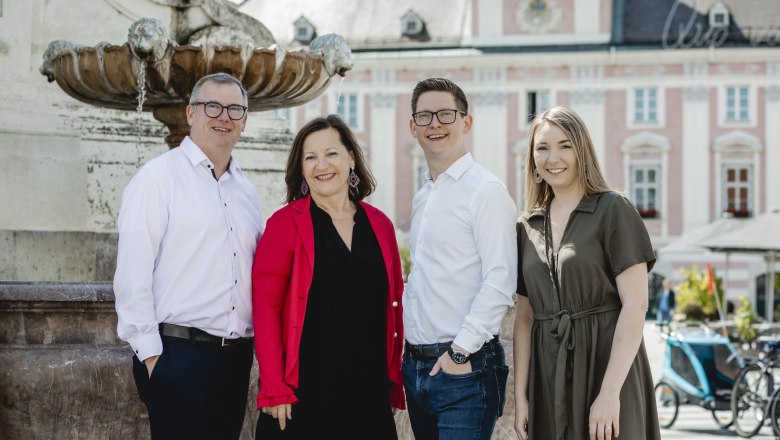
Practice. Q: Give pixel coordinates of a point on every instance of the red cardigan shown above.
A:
(281, 278)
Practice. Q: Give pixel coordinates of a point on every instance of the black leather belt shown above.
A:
(434, 351)
(198, 335)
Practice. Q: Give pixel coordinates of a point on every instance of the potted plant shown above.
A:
(739, 212)
(648, 213)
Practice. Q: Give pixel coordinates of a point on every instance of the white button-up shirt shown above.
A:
(186, 247)
(463, 247)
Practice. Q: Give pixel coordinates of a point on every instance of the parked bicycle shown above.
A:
(755, 391)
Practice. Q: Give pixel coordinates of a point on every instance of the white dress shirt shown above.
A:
(463, 245)
(186, 247)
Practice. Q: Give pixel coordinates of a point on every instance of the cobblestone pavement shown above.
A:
(692, 422)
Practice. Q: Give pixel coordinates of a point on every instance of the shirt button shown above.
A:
(234, 307)
(236, 282)
(395, 303)
(234, 254)
(395, 334)
(225, 204)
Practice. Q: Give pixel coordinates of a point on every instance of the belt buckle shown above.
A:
(223, 344)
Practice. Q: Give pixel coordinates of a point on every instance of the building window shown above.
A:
(304, 30)
(719, 15)
(646, 105)
(737, 104)
(645, 189)
(347, 108)
(536, 103)
(283, 113)
(737, 184)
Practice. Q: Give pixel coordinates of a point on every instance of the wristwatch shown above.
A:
(458, 357)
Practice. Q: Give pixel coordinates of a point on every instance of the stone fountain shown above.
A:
(162, 73)
(65, 373)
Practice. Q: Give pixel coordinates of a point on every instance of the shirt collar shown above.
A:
(587, 204)
(198, 157)
(459, 167)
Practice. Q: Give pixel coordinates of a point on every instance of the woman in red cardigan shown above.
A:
(327, 292)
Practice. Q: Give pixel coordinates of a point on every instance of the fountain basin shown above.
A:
(163, 73)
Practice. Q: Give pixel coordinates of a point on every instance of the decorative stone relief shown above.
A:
(696, 93)
(696, 69)
(538, 16)
(586, 96)
(383, 100)
(772, 93)
(490, 98)
(587, 72)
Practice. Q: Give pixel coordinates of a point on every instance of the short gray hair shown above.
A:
(218, 78)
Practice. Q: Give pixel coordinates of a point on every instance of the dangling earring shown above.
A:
(537, 176)
(304, 188)
(353, 180)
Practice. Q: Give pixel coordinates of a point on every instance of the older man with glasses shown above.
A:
(188, 228)
(464, 271)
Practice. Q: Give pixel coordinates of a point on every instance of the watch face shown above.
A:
(458, 357)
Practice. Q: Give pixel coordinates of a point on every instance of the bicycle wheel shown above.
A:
(774, 412)
(750, 399)
(724, 418)
(667, 403)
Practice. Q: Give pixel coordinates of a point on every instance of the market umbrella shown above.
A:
(760, 234)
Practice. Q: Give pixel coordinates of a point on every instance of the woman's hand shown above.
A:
(604, 418)
(521, 418)
(281, 412)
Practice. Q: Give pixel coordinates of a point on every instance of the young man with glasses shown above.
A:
(464, 272)
(188, 229)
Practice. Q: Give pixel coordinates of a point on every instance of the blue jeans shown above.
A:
(455, 407)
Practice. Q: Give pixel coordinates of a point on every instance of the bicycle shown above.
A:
(754, 391)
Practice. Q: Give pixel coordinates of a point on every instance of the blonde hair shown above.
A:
(589, 172)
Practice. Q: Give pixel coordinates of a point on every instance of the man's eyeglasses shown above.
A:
(214, 109)
(444, 116)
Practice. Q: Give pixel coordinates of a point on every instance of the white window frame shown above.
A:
(646, 143)
(660, 105)
(737, 165)
(749, 147)
(352, 117)
(523, 104)
(751, 107)
(646, 186)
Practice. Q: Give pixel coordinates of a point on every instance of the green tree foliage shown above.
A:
(745, 320)
(406, 260)
(692, 297)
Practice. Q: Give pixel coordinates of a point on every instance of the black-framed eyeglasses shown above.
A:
(214, 109)
(446, 116)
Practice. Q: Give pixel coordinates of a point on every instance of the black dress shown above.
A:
(343, 386)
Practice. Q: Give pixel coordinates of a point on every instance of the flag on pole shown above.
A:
(710, 280)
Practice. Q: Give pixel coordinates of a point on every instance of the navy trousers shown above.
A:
(197, 390)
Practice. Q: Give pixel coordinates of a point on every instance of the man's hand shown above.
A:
(446, 363)
(150, 362)
(282, 412)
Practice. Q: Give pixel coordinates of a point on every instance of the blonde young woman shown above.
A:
(580, 363)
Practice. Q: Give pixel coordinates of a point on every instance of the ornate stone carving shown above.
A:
(334, 49)
(586, 96)
(696, 93)
(383, 100)
(772, 93)
(538, 16)
(489, 98)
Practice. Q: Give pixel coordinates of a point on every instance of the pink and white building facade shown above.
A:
(682, 98)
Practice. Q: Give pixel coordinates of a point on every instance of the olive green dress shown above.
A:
(574, 297)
